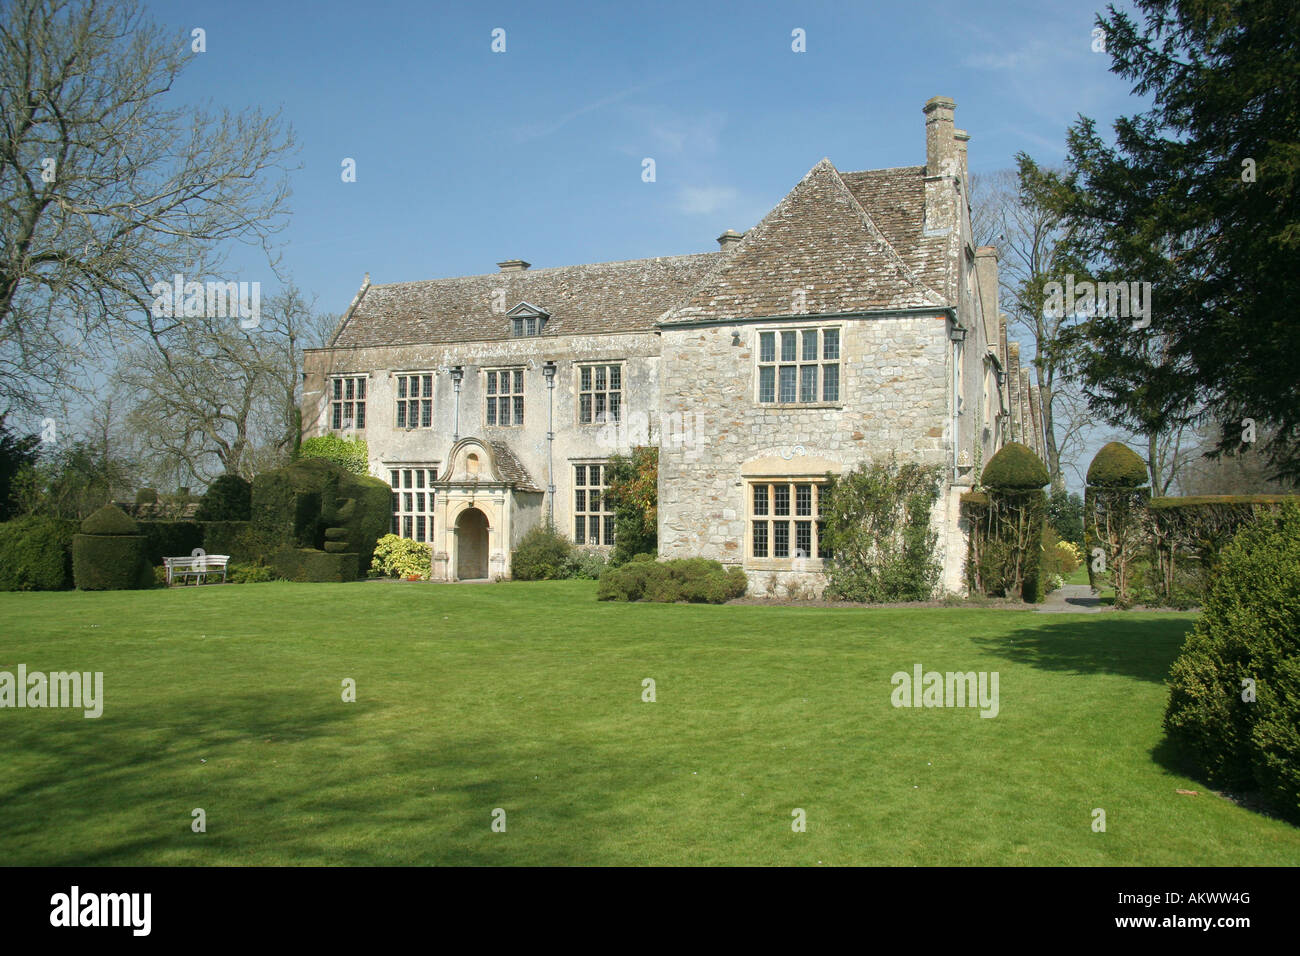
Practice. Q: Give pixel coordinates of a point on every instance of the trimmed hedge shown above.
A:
(234, 538)
(352, 455)
(697, 580)
(1117, 466)
(228, 498)
(36, 554)
(109, 519)
(307, 564)
(1015, 467)
(171, 539)
(1247, 638)
(110, 554)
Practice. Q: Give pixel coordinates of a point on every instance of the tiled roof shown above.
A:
(821, 240)
(852, 241)
(582, 300)
(510, 468)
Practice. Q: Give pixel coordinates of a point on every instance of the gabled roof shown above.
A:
(854, 242)
(582, 300)
(818, 239)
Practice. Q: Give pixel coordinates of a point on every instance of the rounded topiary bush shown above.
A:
(228, 498)
(109, 554)
(1015, 468)
(1246, 643)
(146, 496)
(1117, 466)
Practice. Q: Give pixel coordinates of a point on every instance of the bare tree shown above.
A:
(107, 187)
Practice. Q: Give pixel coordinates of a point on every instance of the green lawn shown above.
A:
(527, 697)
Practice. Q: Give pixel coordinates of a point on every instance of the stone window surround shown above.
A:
(604, 513)
(514, 406)
(780, 325)
(751, 563)
(418, 374)
(333, 377)
(388, 467)
(578, 366)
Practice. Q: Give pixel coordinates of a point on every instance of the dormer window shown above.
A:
(527, 320)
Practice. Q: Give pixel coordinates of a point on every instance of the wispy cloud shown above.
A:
(539, 130)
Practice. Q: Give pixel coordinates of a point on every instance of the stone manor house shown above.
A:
(858, 319)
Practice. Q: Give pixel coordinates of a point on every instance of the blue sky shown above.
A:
(466, 157)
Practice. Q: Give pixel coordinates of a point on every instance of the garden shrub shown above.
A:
(1007, 540)
(36, 554)
(228, 498)
(236, 539)
(109, 554)
(1065, 515)
(697, 580)
(633, 492)
(398, 557)
(587, 564)
(171, 539)
(1248, 632)
(307, 564)
(877, 527)
(249, 573)
(351, 454)
(146, 496)
(543, 554)
(1115, 519)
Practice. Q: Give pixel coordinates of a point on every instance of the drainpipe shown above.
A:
(457, 373)
(548, 370)
(957, 335)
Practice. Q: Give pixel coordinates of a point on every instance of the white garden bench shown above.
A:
(197, 566)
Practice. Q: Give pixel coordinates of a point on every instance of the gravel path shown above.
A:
(1070, 599)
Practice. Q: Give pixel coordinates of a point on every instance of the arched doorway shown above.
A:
(471, 545)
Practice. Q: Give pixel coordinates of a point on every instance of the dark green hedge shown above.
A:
(234, 538)
(306, 564)
(170, 539)
(102, 562)
(109, 519)
(36, 554)
(228, 498)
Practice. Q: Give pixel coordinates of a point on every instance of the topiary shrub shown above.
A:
(697, 580)
(1248, 638)
(398, 557)
(228, 498)
(1015, 467)
(235, 539)
(295, 507)
(146, 496)
(109, 554)
(543, 554)
(36, 554)
(1117, 466)
(352, 455)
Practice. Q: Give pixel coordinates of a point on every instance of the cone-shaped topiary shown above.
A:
(109, 519)
(1117, 466)
(1015, 468)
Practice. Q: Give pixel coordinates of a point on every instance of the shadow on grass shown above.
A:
(1144, 648)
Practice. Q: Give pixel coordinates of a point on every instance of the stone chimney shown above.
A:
(513, 265)
(729, 240)
(941, 168)
(940, 146)
(960, 139)
(986, 278)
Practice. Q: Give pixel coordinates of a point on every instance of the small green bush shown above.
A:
(587, 564)
(249, 573)
(1015, 467)
(1117, 466)
(1248, 635)
(36, 554)
(398, 557)
(697, 580)
(543, 554)
(228, 498)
